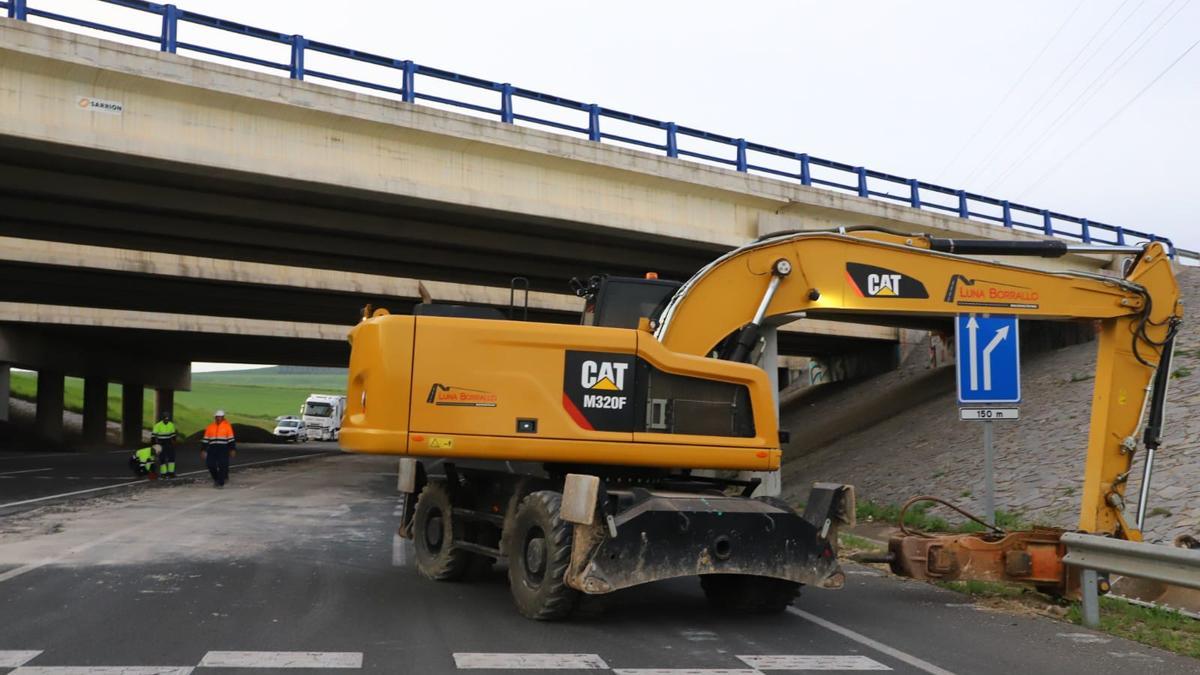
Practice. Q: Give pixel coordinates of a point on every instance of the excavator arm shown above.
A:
(875, 276)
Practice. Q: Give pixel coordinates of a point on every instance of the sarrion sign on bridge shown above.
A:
(989, 377)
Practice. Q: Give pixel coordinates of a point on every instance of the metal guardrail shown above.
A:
(597, 124)
(1092, 554)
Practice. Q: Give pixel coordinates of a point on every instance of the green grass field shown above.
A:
(254, 397)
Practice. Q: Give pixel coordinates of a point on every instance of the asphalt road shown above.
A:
(29, 479)
(297, 566)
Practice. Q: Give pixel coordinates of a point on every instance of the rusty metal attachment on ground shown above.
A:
(1031, 557)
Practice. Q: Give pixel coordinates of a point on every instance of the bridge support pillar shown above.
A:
(49, 416)
(164, 402)
(95, 410)
(132, 407)
(5, 389)
(772, 482)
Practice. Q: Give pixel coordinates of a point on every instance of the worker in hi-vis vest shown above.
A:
(144, 461)
(217, 447)
(163, 435)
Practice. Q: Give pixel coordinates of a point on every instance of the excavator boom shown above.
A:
(879, 275)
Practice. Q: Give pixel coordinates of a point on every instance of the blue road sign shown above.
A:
(989, 359)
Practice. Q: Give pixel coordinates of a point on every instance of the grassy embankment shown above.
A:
(254, 397)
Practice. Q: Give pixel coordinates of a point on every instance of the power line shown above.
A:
(1091, 90)
(1109, 121)
(1034, 107)
(1008, 94)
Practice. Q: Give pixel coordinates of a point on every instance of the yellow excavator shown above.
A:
(575, 451)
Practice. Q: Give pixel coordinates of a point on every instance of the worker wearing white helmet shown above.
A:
(217, 447)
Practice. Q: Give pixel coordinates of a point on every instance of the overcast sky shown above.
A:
(1088, 108)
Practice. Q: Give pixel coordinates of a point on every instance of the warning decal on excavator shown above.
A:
(869, 281)
(598, 390)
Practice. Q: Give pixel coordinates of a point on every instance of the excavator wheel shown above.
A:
(433, 530)
(746, 594)
(539, 551)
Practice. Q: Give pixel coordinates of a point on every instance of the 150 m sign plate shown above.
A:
(987, 414)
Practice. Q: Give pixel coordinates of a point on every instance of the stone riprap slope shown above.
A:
(1039, 459)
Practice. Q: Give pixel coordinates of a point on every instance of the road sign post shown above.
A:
(989, 373)
(989, 478)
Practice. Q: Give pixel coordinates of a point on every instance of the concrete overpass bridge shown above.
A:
(157, 209)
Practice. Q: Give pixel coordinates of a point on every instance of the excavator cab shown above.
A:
(620, 302)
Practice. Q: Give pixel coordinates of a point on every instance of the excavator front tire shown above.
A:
(433, 531)
(539, 551)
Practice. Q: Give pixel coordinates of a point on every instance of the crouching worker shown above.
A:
(144, 462)
(217, 447)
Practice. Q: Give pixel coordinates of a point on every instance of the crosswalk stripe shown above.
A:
(485, 660)
(102, 670)
(16, 657)
(878, 646)
(686, 671)
(282, 660)
(812, 662)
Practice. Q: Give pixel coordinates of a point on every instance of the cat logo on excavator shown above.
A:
(603, 375)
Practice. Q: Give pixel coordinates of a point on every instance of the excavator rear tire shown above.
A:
(433, 530)
(747, 594)
(539, 551)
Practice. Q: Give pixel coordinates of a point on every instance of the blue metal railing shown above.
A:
(742, 155)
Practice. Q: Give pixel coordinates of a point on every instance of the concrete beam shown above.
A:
(95, 410)
(49, 415)
(62, 315)
(59, 254)
(80, 256)
(842, 328)
(24, 344)
(132, 408)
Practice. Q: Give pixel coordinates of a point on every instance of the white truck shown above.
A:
(322, 416)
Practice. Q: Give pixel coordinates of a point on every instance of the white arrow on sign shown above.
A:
(1000, 336)
(972, 327)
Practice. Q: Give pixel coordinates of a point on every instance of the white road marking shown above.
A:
(71, 494)
(1085, 638)
(484, 660)
(282, 660)
(878, 646)
(698, 635)
(103, 670)
(15, 657)
(812, 662)
(143, 480)
(16, 572)
(13, 473)
(685, 671)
